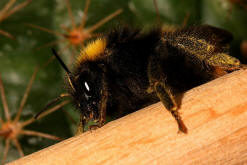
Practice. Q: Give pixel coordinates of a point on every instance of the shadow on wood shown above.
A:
(215, 114)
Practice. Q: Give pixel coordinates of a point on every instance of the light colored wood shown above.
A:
(215, 114)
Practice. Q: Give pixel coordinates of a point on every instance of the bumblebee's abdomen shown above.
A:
(183, 72)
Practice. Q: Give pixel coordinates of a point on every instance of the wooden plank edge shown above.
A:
(215, 114)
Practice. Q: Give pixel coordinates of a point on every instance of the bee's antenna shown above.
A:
(60, 61)
(65, 68)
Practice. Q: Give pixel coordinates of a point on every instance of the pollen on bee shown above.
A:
(210, 48)
(92, 51)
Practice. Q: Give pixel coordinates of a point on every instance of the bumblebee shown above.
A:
(128, 69)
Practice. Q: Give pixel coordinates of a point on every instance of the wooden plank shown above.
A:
(215, 114)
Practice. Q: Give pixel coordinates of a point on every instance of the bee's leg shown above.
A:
(93, 127)
(159, 85)
(166, 97)
(102, 111)
(103, 104)
(80, 127)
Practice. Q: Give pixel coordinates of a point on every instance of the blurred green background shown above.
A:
(19, 57)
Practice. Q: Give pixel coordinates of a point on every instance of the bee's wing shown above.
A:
(205, 43)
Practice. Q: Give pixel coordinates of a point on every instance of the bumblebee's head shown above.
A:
(88, 90)
(87, 83)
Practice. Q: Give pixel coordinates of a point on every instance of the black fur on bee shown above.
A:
(128, 69)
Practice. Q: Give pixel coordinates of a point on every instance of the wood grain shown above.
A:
(215, 114)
